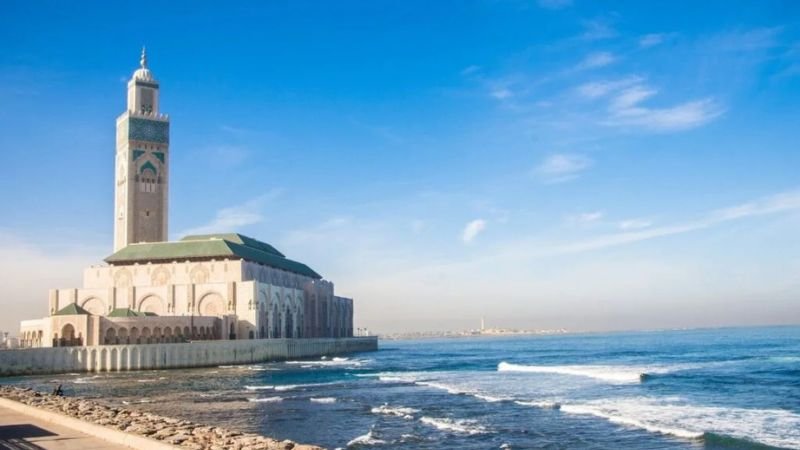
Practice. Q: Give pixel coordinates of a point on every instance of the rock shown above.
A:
(175, 431)
(177, 439)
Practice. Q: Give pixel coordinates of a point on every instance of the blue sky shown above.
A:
(587, 165)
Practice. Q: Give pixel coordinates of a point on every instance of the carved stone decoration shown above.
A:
(160, 277)
(152, 304)
(123, 278)
(212, 304)
(198, 274)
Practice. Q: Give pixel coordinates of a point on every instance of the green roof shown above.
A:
(210, 246)
(71, 310)
(238, 239)
(126, 312)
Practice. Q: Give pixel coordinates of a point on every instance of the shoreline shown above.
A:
(135, 428)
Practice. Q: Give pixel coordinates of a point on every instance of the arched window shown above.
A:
(147, 177)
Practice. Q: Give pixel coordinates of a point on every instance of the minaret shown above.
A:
(142, 180)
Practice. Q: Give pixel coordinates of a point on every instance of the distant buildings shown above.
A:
(206, 287)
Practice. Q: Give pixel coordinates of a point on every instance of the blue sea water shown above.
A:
(733, 388)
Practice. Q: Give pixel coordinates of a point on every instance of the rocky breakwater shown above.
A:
(176, 432)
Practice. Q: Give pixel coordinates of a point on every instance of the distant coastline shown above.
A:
(499, 332)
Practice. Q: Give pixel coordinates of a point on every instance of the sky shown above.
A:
(543, 164)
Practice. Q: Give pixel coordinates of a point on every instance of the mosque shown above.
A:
(202, 287)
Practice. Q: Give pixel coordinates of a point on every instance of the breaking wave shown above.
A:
(399, 411)
(291, 387)
(366, 439)
(611, 374)
(259, 388)
(454, 425)
(330, 362)
(450, 389)
(323, 399)
(543, 404)
(773, 427)
(265, 399)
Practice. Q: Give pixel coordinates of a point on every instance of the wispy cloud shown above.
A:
(596, 60)
(501, 93)
(562, 167)
(417, 226)
(626, 98)
(781, 202)
(651, 40)
(472, 229)
(554, 4)
(597, 29)
(233, 218)
(745, 40)
(586, 218)
(626, 111)
(634, 224)
(469, 70)
(596, 89)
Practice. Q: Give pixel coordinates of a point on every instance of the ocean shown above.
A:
(732, 388)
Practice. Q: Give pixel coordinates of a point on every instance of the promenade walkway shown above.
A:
(22, 432)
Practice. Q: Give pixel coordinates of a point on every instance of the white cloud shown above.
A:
(562, 167)
(472, 229)
(629, 98)
(625, 106)
(235, 217)
(680, 117)
(595, 60)
(586, 218)
(625, 109)
(555, 4)
(781, 202)
(596, 89)
(634, 224)
(651, 40)
(501, 93)
(30, 268)
(417, 226)
(597, 29)
(469, 70)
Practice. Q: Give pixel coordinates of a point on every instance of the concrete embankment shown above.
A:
(113, 358)
(134, 429)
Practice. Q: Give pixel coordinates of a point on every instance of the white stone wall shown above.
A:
(253, 301)
(111, 358)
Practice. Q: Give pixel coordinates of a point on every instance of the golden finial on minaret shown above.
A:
(143, 60)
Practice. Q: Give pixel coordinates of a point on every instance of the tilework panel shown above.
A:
(148, 130)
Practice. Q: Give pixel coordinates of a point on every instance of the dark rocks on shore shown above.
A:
(177, 432)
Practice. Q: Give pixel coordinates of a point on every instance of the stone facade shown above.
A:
(114, 358)
(142, 161)
(211, 287)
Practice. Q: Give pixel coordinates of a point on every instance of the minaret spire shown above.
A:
(143, 59)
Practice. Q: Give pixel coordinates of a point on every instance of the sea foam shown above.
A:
(399, 411)
(265, 399)
(259, 388)
(774, 427)
(454, 425)
(611, 374)
(291, 387)
(366, 439)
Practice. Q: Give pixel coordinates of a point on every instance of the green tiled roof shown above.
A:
(238, 239)
(125, 312)
(210, 246)
(71, 310)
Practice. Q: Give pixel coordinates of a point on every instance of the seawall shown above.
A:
(113, 358)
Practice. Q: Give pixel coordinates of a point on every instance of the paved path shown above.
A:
(22, 432)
